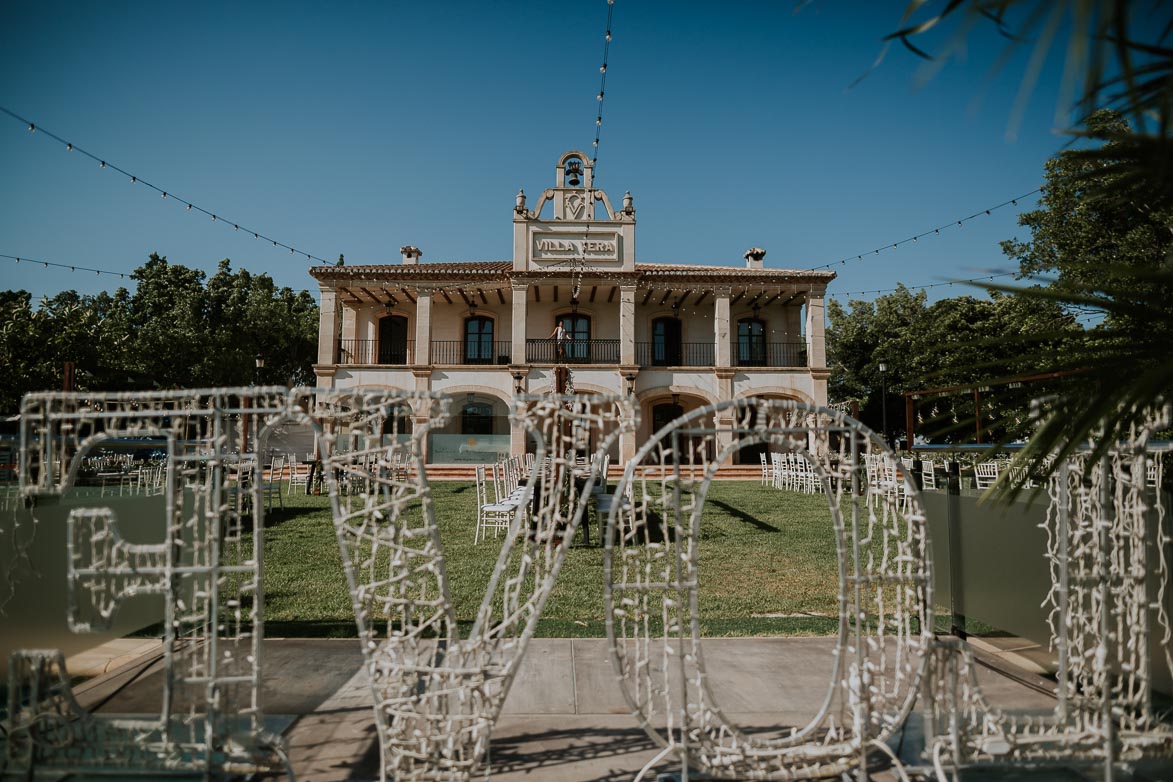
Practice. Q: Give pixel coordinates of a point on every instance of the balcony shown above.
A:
(471, 351)
(684, 354)
(575, 351)
(368, 351)
(752, 353)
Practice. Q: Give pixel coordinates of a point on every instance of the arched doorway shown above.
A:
(477, 433)
(392, 340)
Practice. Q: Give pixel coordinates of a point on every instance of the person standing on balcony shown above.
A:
(560, 336)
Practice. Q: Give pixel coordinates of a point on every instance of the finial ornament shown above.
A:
(520, 208)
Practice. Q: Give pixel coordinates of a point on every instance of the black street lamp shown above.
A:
(260, 359)
(883, 366)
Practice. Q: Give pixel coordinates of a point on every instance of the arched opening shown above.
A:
(397, 427)
(478, 340)
(666, 342)
(751, 342)
(392, 340)
(477, 433)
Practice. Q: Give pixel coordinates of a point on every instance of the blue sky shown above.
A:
(359, 127)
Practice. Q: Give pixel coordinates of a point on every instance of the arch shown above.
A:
(648, 394)
(777, 392)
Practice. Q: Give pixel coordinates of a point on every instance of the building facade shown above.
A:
(676, 336)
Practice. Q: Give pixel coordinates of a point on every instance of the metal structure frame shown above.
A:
(885, 593)
(209, 574)
(437, 693)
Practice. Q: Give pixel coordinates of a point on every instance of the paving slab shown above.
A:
(565, 718)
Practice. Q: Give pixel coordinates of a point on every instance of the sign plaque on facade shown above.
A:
(600, 247)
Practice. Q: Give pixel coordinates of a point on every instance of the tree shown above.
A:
(176, 330)
(953, 342)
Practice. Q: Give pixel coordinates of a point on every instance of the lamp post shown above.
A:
(260, 359)
(883, 367)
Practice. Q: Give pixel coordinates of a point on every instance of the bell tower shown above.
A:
(575, 233)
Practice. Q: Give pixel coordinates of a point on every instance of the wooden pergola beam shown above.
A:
(647, 296)
(500, 295)
(594, 290)
(407, 293)
(444, 293)
(611, 295)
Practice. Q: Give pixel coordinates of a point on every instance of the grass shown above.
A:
(767, 566)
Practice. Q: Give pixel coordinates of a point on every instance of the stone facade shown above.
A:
(677, 336)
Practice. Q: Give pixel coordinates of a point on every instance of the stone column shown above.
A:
(520, 302)
(423, 328)
(816, 330)
(328, 327)
(721, 328)
(627, 325)
(725, 419)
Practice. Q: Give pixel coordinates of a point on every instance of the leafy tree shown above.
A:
(953, 342)
(178, 329)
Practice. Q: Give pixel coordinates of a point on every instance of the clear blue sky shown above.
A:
(359, 127)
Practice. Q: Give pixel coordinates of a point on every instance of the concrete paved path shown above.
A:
(564, 719)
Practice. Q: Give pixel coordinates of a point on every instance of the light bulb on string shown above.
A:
(101, 164)
(164, 194)
(133, 179)
(213, 218)
(68, 147)
(189, 207)
(32, 128)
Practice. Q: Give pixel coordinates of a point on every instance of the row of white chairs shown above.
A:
(790, 471)
(508, 496)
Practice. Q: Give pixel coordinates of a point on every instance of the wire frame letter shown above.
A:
(885, 589)
(204, 565)
(1107, 551)
(437, 694)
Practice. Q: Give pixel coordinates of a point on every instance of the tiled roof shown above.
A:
(504, 269)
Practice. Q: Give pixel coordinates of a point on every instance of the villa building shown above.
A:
(676, 336)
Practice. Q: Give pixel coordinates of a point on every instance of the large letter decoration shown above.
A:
(211, 720)
(437, 694)
(885, 590)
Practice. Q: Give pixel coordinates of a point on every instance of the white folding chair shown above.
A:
(271, 482)
(928, 474)
(984, 474)
(495, 516)
(299, 474)
(765, 469)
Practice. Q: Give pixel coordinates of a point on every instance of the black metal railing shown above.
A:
(751, 353)
(684, 354)
(470, 351)
(574, 351)
(369, 351)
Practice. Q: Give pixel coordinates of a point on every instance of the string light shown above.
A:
(925, 287)
(135, 179)
(47, 264)
(602, 88)
(934, 231)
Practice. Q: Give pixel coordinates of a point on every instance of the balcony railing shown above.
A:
(575, 351)
(684, 354)
(369, 351)
(473, 351)
(749, 353)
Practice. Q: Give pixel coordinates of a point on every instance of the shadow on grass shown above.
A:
(738, 513)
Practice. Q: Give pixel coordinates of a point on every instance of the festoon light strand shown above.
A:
(72, 267)
(931, 232)
(163, 193)
(923, 287)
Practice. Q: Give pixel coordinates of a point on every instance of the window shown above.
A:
(393, 340)
(478, 340)
(751, 342)
(666, 346)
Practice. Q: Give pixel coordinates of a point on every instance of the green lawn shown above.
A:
(767, 566)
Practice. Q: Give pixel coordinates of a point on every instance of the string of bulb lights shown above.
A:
(602, 87)
(71, 266)
(164, 194)
(931, 232)
(924, 287)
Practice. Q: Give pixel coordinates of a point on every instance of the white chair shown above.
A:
(299, 474)
(765, 469)
(495, 516)
(985, 474)
(928, 474)
(271, 483)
